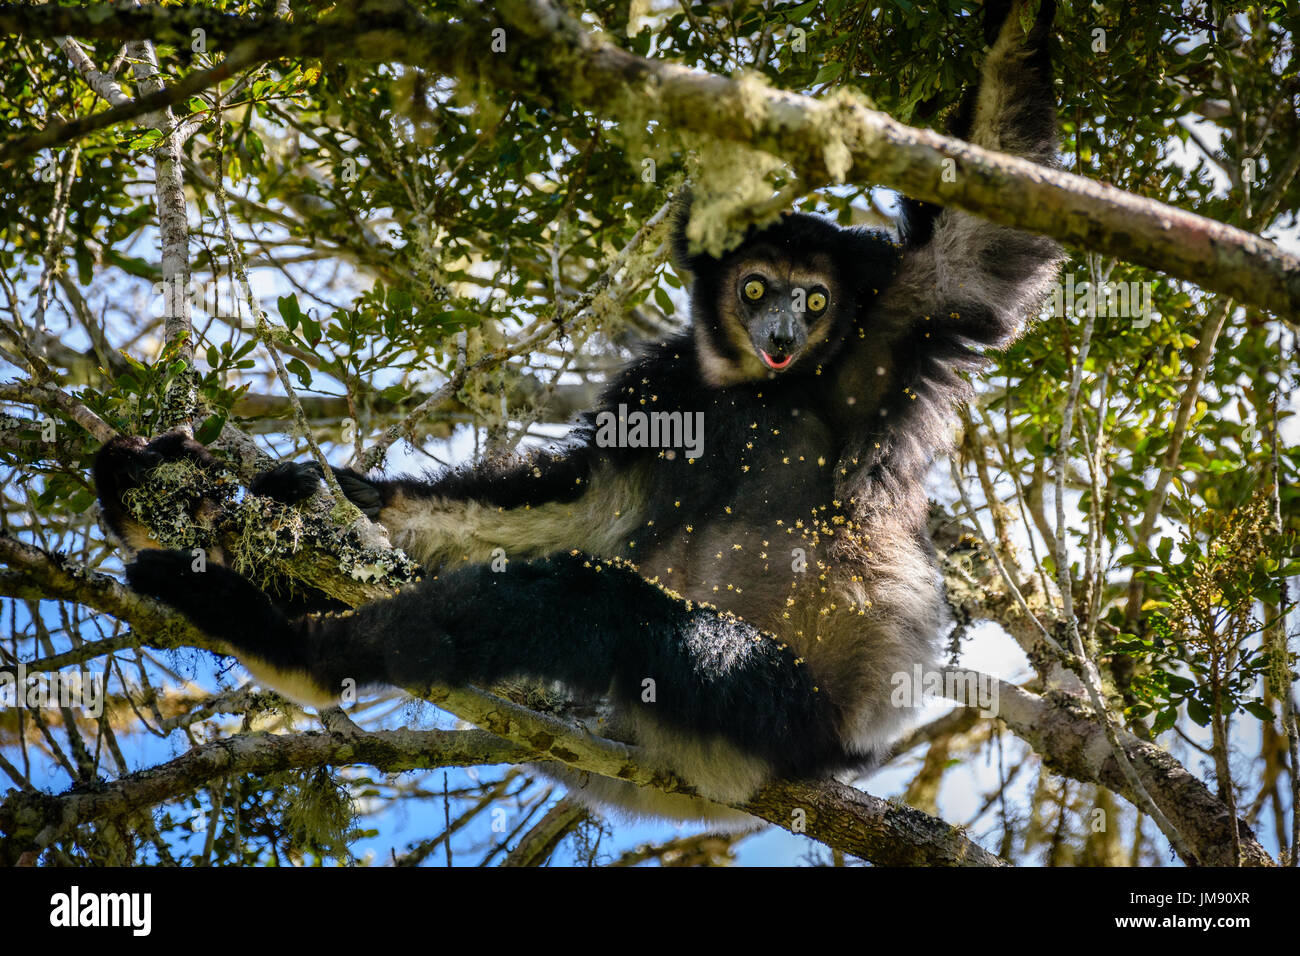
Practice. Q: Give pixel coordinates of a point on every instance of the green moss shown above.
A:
(172, 503)
(319, 814)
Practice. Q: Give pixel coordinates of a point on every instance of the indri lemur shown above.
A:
(769, 587)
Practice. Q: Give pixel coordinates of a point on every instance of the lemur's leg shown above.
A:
(124, 464)
(596, 627)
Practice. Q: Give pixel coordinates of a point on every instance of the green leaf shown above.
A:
(399, 300)
(310, 330)
(664, 302)
(207, 433)
(289, 311)
(85, 265)
(798, 13)
(299, 368)
(145, 141)
(1260, 710)
(1164, 720)
(1198, 712)
(829, 72)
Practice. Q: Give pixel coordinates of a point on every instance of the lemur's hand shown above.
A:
(294, 482)
(290, 483)
(124, 463)
(996, 13)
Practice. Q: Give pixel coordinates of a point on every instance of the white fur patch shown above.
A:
(439, 533)
(298, 686)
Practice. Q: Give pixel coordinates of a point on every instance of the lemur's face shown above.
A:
(777, 309)
(782, 303)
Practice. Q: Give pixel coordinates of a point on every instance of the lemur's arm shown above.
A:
(546, 477)
(553, 500)
(550, 501)
(964, 284)
(597, 627)
(954, 259)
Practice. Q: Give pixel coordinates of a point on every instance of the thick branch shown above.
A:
(33, 819)
(1066, 733)
(888, 834)
(1072, 741)
(54, 577)
(47, 396)
(837, 139)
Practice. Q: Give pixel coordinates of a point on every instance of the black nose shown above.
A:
(782, 339)
(780, 343)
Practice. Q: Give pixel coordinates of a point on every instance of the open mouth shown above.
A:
(776, 364)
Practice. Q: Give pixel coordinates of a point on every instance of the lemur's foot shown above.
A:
(125, 461)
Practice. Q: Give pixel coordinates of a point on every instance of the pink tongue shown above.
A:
(773, 363)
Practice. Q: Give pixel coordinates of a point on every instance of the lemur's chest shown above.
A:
(748, 522)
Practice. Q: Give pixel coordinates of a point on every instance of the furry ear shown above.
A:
(686, 264)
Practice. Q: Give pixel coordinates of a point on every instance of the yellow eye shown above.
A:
(816, 302)
(754, 290)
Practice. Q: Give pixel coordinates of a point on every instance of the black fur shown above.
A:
(715, 675)
(288, 483)
(122, 465)
(292, 482)
(207, 597)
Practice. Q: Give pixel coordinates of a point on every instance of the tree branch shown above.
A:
(839, 816)
(1072, 740)
(33, 820)
(825, 141)
(47, 396)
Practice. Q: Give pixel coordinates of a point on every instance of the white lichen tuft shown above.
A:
(751, 93)
(730, 183)
(831, 124)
